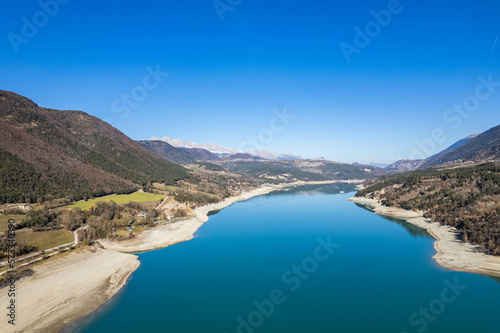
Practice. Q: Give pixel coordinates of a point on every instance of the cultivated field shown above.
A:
(119, 199)
(4, 221)
(44, 239)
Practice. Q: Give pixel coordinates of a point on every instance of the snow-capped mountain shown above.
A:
(211, 147)
(225, 151)
(265, 154)
(373, 164)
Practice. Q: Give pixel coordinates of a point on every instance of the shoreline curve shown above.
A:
(452, 253)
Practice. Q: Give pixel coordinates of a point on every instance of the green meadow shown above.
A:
(119, 199)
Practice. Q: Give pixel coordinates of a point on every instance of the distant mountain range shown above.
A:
(258, 167)
(222, 151)
(270, 155)
(179, 155)
(211, 147)
(480, 149)
(473, 148)
(184, 156)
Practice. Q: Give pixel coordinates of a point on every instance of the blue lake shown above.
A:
(301, 260)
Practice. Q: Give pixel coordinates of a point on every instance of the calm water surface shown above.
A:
(262, 266)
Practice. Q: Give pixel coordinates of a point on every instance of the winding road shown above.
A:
(57, 250)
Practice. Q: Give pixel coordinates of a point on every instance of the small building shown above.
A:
(21, 207)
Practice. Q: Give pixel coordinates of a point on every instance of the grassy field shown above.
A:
(166, 188)
(4, 221)
(44, 239)
(119, 199)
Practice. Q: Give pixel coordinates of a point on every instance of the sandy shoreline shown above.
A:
(451, 252)
(169, 234)
(67, 288)
(72, 286)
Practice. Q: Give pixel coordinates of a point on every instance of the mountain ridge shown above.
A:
(70, 154)
(223, 151)
(177, 155)
(436, 159)
(481, 148)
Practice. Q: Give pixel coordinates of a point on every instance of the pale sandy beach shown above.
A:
(67, 288)
(451, 252)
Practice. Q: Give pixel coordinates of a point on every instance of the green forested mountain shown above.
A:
(70, 154)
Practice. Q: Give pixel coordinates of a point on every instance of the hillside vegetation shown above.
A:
(467, 198)
(272, 170)
(301, 170)
(53, 154)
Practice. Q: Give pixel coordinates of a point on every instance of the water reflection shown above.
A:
(412, 229)
(295, 193)
(335, 188)
(214, 212)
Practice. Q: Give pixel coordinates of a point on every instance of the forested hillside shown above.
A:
(301, 170)
(467, 198)
(52, 153)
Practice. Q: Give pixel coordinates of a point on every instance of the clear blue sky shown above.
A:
(226, 77)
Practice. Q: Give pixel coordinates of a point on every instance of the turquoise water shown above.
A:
(262, 266)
